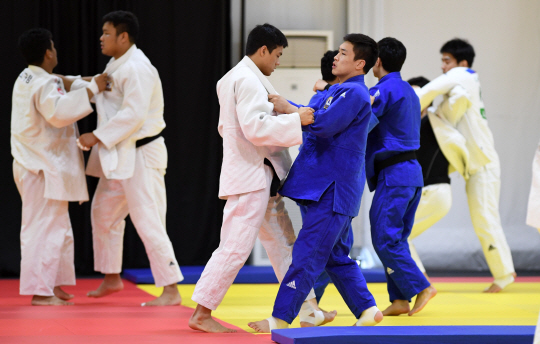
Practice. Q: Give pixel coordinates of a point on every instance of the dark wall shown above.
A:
(189, 43)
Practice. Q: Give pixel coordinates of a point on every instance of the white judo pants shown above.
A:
(533, 209)
(47, 257)
(143, 197)
(245, 217)
(434, 204)
(483, 193)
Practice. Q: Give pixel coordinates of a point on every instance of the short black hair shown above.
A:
(327, 61)
(392, 54)
(265, 34)
(123, 21)
(365, 48)
(419, 81)
(460, 49)
(33, 44)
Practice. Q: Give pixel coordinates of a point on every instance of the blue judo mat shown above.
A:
(406, 335)
(247, 274)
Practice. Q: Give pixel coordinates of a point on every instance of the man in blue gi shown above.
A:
(327, 62)
(322, 86)
(328, 176)
(396, 176)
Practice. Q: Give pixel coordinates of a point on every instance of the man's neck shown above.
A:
(383, 73)
(342, 79)
(255, 60)
(121, 52)
(46, 67)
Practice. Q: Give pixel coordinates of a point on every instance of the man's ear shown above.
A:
(463, 63)
(359, 65)
(263, 50)
(49, 53)
(124, 37)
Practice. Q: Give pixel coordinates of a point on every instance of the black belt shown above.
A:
(274, 186)
(146, 140)
(393, 160)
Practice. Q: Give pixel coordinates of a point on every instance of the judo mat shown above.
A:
(459, 305)
(118, 318)
(407, 335)
(247, 274)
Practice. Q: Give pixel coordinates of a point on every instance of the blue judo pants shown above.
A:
(322, 244)
(324, 279)
(392, 218)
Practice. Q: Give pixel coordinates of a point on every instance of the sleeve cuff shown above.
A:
(93, 87)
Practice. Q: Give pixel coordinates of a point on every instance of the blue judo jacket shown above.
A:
(397, 108)
(334, 149)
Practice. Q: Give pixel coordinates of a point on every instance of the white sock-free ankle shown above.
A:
(368, 317)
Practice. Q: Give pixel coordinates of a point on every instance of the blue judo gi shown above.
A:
(397, 187)
(328, 177)
(324, 279)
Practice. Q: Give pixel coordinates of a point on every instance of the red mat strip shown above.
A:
(117, 318)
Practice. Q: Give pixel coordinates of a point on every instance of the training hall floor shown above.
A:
(119, 318)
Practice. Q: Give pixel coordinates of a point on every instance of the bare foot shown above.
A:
(169, 297)
(59, 293)
(397, 307)
(49, 301)
(495, 288)
(201, 320)
(260, 326)
(422, 299)
(328, 317)
(111, 284)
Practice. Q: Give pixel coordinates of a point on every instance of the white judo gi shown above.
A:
(533, 210)
(48, 169)
(251, 132)
(465, 139)
(131, 179)
(434, 204)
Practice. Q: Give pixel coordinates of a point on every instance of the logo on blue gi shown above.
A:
(291, 285)
(389, 271)
(328, 102)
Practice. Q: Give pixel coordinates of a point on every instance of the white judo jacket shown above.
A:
(533, 209)
(252, 131)
(129, 110)
(459, 121)
(44, 132)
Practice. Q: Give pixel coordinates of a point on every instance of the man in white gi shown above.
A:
(130, 159)
(533, 209)
(462, 114)
(255, 161)
(48, 168)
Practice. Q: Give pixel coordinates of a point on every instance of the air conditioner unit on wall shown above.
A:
(306, 48)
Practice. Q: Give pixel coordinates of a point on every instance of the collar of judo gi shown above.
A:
(358, 78)
(393, 75)
(114, 64)
(37, 70)
(266, 83)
